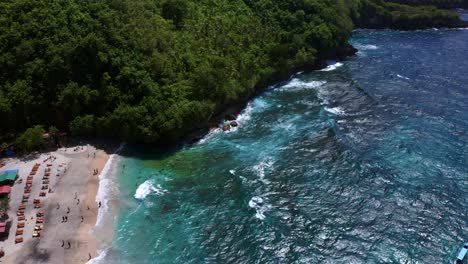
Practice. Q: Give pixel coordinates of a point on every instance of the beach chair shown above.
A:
(47, 174)
(19, 232)
(18, 240)
(29, 182)
(42, 194)
(40, 214)
(37, 205)
(24, 201)
(39, 220)
(36, 234)
(21, 218)
(20, 225)
(28, 190)
(35, 201)
(22, 207)
(37, 228)
(26, 196)
(19, 213)
(30, 178)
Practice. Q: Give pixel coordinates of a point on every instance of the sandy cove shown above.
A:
(75, 177)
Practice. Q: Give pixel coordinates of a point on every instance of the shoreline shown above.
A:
(84, 232)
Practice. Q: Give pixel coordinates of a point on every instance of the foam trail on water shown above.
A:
(335, 110)
(147, 188)
(297, 83)
(365, 47)
(333, 66)
(402, 77)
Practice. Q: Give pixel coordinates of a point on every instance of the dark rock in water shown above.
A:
(167, 207)
(234, 123)
(226, 127)
(344, 52)
(230, 117)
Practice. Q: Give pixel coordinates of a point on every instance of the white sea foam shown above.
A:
(210, 135)
(106, 186)
(147, 188)
(252, 107)
(402, 77)
(264, 165)
(333, 66)
(100, 259)
(258, 204)
(365, 47)
(233, 172)
(335, 110)
(297, 83)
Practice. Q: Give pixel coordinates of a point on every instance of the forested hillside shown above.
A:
(153, 71)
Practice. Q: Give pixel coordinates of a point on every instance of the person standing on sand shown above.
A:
(89, 256)
(58, 206)
(63, 243)
(82, 219)
(99, 204)
(68, 210)
(78, 201)
(69, 245)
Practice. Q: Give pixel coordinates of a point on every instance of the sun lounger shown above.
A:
(26, 196)
(36, 234)
(35, 201)
(42, 194)
(37, 228)
(29, 178)
(20, 225)
(22, 207)
(24, 201)
(19, 213)
(29, 182)
(47, 174)
(21, 218)
(27, 190)
(39, 220)
(38, 205)
(19, 232)
(18, 240)
(40, 214)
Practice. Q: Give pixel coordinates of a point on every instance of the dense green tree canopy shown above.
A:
(154, 71)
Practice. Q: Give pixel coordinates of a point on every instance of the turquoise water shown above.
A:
(366, 162)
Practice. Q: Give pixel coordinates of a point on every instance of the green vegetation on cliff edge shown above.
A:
(153, 71)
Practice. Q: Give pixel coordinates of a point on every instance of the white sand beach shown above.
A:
(73, 187)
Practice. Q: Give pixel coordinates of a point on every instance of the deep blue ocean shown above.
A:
(363, 162)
